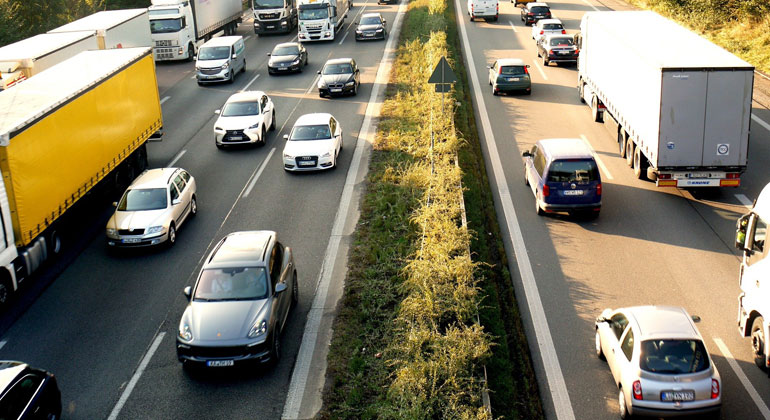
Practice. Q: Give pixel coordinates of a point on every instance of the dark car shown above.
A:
(287, 57)
(533, 12)
(558, 49)
(28, 393)
(240, 302)
(371, 26)
(340, 76)
(387, 1)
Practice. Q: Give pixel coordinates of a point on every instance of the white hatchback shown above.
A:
(315, 143)
(545, 27)
(244, 119)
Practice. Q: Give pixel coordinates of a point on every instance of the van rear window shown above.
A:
(573, 170)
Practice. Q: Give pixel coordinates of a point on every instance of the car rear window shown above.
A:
(540, 9)
(553, 26)
(512, 70)
(562, 42)
(573, 170)
(237, 283)
(673, 356)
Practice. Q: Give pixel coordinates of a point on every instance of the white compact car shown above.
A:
(545, 27)
(244, 119)
(315, 143)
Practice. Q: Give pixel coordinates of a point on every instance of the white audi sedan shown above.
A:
(315, 143)
(244, 119)
(659, 362)
(152, 209)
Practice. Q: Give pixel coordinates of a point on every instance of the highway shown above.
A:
(648, 246)
(107, 325)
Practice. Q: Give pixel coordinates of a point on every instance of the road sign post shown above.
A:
(442, 77)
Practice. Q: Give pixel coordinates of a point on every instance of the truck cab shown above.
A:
(171, 27)
(319, 20)
(274, 16)
(754, 277)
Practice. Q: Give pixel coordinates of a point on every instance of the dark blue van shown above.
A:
(564, 177)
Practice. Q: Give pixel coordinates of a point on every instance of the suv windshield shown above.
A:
(239, 109)
(511, 70)
(343, 68)
(268, 4)
(562, 42)
(214, 53)
(313, 13)
(238, 283)
(139, 199)
(159, 26)
(370, 20)
(573, 170)
(310, 132)
(291, 50)
(539, 10)
(673, 356)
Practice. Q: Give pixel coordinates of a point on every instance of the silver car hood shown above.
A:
(136, 219)
(226, 320)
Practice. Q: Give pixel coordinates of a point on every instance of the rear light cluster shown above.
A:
(733, 175)
(563, 32)
(714, 389)
(599, 189)
(542, 32)
(546, 190)
(638, 390)
(530, 14)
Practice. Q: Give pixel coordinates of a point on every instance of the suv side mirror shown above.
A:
(268, 54)
(280, 287)
(286, 137)
(187, 292)
(217, 111)
(527, 154)
(740, 231)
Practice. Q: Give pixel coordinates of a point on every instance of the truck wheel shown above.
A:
(640, 164)
(5, 291)
(190, 53)
(630, 146)
(758, 341)
(597, 115)
(621, 143)
(53, 240)
(581, 89)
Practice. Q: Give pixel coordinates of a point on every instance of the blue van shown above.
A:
(564, 177)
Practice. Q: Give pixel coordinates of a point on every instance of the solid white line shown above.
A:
(604, 169)
(164, 99)
(744, 200)
(135, 378)
(312, 85)
(742, 377)
(343, 38)
(247, 38)
(554, 376)
(259, 172)
(3, 343)
(760, 122)
(193, 76)
(594, 7)
(540, 70)
(512, 26)
(299, 377)
(250, 82)
(176, 158)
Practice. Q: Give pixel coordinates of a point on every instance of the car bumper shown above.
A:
(284, 69)
(212, 77)
(515, 86)
(672, 412)
(370, 35)
(333, 92)
(246, 137)
(320, 164)
(485, 15)
(571, 207)
(321, 36)
(562, 58)
(205, 355)
(121, 241)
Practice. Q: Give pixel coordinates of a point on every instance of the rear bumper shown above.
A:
(571, 207)
(658, 412)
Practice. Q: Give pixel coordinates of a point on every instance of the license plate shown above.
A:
(563, 52)
(573, 192)
(308, 163)
(132, 240)
(677, 395)
(513, 79)
(270, 26)
(220, 363)
(368, 34)
(336, 90)
(282, 68)
(236, 138)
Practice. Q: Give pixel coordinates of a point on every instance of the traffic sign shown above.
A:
(442, 74)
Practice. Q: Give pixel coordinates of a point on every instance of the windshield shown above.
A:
(242, 283)
(292, 50)
(539, 9)
(159, 26)
(343, 68)
(673, 356)
(512, 70)
(562, 42)
(573, 170)
(310, 132)
(370, 20)
(268, 4)
(139, 199)
(239, 109)
(214, 53)
(553, 26)
(313, 13)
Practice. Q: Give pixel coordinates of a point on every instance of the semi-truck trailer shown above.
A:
(682, 104)
(274, 16)
(178, 25)
(23, 59)
(75, 127)
(114, 28)
(320, 20)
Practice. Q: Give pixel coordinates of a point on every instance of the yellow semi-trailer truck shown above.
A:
(78, 126)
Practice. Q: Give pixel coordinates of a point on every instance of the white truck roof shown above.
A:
(53, 87)
(101, 21)
(664, 42)
(41, 45)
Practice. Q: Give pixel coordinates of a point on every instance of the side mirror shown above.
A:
(268, 54)
(280, 287)
(527, 65)
(235, 56)
(319, 72)
(195, 57)
(695, 318)
(187, 292)
(114, 204)
(217, 111)
(740, 231)
(489, 67)
(176, 201)
(286, 137)
(527, 154)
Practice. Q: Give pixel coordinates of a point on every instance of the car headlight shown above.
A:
(254, 126)
(321, 84)
(379, 30)
(358, 31)
(259, 329)
(225, 65)
(287, 156)
(154, 229)
(350, 83)
(295, 62)
(326, 155)
(112, 232)
(185, 333)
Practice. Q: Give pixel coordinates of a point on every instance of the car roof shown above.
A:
(9, 371)
(313, 119)
(552, 35)
(287, 44)
(510, 62)
(222, 41)
(537, 4)
(661, 322)
(154, 178)
(249, 95)
(245, 248)
(339, 60)
(371, 15)
(565, 149)
(544, 21)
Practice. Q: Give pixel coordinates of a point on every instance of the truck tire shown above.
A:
(621, 143)
(190, 53)
(640, 164)
(758, 341)
(581, 89)
(53, 242)
(630, 146)
(595, 113)
(5, 291)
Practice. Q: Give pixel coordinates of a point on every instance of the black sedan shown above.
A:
(28, 393)
(340, 76)
(371, 26)
(557, 49)
(287, 57)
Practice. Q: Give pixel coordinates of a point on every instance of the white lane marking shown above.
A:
(259, 172)
(513, 26)
(760, 122)
(193, 76)
(592, 6)
(312, 85)
(164, 99)
(540, 70)
(247, 38)
(604, 169)
(176, 158)
(744, 200)
(554, 376)
(3, 343)
(742, 377)
(135, 378)
(299, 377)
(250, 82)
(343, 38)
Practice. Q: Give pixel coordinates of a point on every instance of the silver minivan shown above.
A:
(219, 59)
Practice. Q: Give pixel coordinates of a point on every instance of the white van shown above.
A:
(219, 59)
(484, 9)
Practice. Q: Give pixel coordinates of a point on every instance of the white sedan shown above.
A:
(244, 119)
(545, 27)
(315, 143)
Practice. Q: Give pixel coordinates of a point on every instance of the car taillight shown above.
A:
(638, 390)
(530, 14)
(563, 32)
(599, 189)
(526, 71)
(542, 32)
(733, 175)
(664, 176)
(500, 70)
(546, 190)
(577, 52)
(714, 389)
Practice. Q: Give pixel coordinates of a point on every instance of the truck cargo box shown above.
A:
(68, 127)
(114, 28)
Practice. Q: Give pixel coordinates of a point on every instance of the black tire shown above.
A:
(538, 210)
(199, 83)
(263, 137)
(630, 148)
(193, 206)
(526, 179)
(621, 143)
(243, 69)
(758, 342)
(624, 414)
(231, 79)
(595, 113)
(494, 91)
(275, 349)
(220, 146)
(494, 19)
(272, 122)
(53, 241)
(545, 61)
(598, 349)
(581, 89)
(5, 291)
(190, 53)
(294, 291)
(528, 92)
(640, 164)
(171, 236)
(355, 89)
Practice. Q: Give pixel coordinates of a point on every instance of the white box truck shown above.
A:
(274, 16)
(178, 25)
(682, 103)
(320, 20)
(114, 28)
(24, 59)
